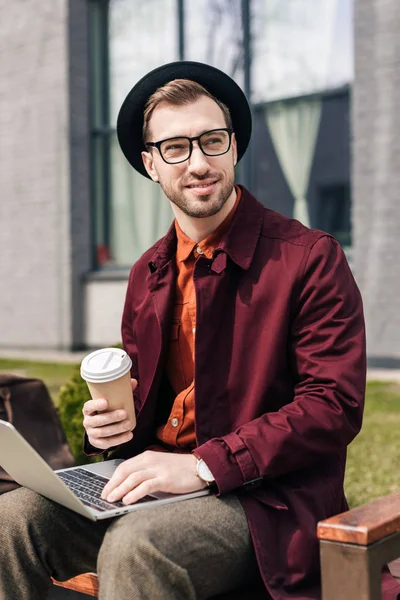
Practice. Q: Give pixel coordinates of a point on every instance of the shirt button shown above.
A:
(174, 422)
(194, 330)
(199, 250)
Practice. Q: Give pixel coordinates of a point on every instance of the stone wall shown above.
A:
(376, 174)
(44, 192)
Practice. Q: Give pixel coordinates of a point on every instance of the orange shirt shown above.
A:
(179, 430)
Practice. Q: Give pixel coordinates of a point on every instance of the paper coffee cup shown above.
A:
(107, 374)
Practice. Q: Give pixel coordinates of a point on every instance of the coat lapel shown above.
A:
(155, 316)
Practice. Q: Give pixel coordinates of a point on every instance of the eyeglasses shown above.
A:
(178, 149)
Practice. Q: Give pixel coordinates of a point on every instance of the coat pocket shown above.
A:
(270, 498)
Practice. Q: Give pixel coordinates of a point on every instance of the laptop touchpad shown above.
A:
(105, 468)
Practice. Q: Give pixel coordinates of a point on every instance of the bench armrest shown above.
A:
(365, 524)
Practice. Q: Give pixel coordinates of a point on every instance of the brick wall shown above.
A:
(376, 174)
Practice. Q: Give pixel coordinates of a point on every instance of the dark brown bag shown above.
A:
(26, 403)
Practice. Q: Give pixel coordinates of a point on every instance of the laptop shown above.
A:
(76, 488)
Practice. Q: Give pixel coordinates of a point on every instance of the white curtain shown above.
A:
(141, 213)
(294, 128)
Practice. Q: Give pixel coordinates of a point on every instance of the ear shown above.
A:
(148, 162)
(234, 149)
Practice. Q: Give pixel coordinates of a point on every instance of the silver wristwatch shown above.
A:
(203, 472)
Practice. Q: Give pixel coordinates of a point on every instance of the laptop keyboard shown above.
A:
(87, 486)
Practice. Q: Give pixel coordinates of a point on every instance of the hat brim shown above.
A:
(218, 83)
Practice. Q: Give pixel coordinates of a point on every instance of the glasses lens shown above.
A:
(175, 150)
(215, 142)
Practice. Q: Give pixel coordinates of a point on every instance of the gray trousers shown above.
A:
(182, 551)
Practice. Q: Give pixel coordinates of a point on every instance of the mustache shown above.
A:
(198, 178)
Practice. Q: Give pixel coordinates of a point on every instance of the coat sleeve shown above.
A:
(327, 352)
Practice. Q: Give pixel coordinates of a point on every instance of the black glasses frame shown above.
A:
(191, 140)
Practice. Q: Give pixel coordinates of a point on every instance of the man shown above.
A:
(246, 334)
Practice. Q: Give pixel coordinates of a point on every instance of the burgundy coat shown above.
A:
(280, 375)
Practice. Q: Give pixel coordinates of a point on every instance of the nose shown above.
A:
(198, 162)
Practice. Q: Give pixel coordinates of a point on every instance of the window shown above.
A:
(300, 47)
(333, 212)
(129, 38)
(214, 35)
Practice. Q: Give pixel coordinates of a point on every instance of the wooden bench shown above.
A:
(354, 547)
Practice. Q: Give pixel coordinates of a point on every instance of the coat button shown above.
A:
(174, 422)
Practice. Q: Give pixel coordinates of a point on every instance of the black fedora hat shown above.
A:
(218, 83)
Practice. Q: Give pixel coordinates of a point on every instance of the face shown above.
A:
(201, 185)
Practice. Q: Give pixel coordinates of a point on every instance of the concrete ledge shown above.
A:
(383, 375)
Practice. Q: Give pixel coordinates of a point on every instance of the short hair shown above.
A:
(178, 93)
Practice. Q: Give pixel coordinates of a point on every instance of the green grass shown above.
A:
(373, 458)
(373, 464)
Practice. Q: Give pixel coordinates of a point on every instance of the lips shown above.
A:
(202, 188)
(201, 184)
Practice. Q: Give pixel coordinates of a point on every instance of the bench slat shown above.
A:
(365, 524)
(86, 584)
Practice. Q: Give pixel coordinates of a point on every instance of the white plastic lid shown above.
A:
(105, 365)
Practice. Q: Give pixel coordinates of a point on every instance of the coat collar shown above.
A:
(239, 242)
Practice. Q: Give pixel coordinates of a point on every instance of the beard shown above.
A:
(202, 206)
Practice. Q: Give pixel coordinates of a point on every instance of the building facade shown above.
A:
(74, 216)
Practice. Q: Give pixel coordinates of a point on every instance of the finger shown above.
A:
(109, 442)
(106, 418)
(143, 462)
(143, 489)
(120, 474)
(111, 430)
(92, 406)
(134, 384)
(115, 491)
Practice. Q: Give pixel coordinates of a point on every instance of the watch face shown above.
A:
(204, 472)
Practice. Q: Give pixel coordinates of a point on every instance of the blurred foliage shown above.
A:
(72, 397)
